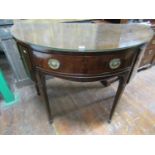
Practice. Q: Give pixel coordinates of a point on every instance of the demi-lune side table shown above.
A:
(81, 52)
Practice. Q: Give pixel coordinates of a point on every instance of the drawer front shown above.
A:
(149, 52)
(152, 43)
(145, 61)
(148, 56)
(75, 64)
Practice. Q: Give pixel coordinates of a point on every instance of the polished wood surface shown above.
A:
(81, 37)
(84, 65)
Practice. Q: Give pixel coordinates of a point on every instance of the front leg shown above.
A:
(36, 84)
(121, 87)
(42, 84)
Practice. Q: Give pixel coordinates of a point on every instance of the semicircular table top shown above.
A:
(83, 37)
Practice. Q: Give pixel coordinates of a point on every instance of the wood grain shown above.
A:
(86, 65)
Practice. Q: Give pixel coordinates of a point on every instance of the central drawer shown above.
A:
(83, 64)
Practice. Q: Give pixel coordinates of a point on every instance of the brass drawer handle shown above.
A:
(54, 64)
(115, 63)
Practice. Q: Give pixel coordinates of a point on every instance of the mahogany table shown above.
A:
(82, 52)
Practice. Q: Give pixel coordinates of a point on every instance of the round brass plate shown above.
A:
(54, 64)
(115, 63)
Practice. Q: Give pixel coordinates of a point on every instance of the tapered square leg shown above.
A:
(121, 86)
(35, 79)
(42, 85)
(37, 89)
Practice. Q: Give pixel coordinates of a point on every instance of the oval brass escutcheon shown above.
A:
(54, 63)
(114, 63)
